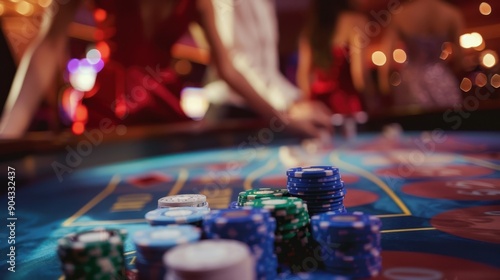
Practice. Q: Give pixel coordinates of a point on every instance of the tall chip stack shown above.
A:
(320, 187)
(152, 243)
(254, 227)
(210, 260)
(292, 227)
(93, 254)
(349, 243)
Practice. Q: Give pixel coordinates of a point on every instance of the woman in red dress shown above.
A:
(331, 53)
(144, 32)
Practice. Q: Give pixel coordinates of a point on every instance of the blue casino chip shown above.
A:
(315, 180)
(293, 182)
(326, 208)
(166, 237)
(153, 242)
(234, 205)
(317, 195)
(334, 185)
(312, 171)
(349, 243)
(253, 226)
(176, 215)
(315, 275)
(347, 221)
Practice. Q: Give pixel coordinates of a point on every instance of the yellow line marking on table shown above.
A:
(370, 176)
(406, 230)
(102, 195)
(392, 215)
(270, 165)
(181, 180)
(481, 162)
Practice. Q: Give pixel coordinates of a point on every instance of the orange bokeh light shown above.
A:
(78, 128)
(100, 15)
(81, 113)
(103, 48)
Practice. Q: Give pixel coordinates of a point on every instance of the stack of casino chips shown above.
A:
(292, 223)
(154, 242)
(350, 243)
(253, 194)
(254, 227)
(320, 187)
(177, 216)
(210, 260)
(93, 254)
(183, 200)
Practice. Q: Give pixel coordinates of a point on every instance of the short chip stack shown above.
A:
(320, 187)
(177, 216)
(210, 260)
(152, 243)
(350, 243)
(253, 194)
(254, 227)
(292, 221)
(93, 254)
(183, 200)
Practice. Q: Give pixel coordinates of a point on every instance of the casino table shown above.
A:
(437, 194)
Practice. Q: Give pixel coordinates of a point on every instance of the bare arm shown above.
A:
(225, 67)
(37, 70)
(305, 67)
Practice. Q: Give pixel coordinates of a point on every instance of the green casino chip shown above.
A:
(292, 205)
(94, 254)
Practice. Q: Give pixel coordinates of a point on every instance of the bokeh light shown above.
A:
(73, 65)
(471, 40)
(103, 48)
(379, 58)
(93, 56)
(489, 58)
(446, 50)
(24, 8)
(399, 56)
(83, 80)
(44, 3)
(2, 9)
(480, 47)
(495, 81)
(81, 113)
(194, 103)
(183, 67)
(100, 15)
(481, 80)
(466, 85)
(78, 128)
(485, 8)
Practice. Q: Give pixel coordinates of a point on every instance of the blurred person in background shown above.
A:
(142, 36)
(249, 31)
(426, 81)
(331, 57)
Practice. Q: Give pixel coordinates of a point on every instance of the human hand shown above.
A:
(313, 111)
(310, 119)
